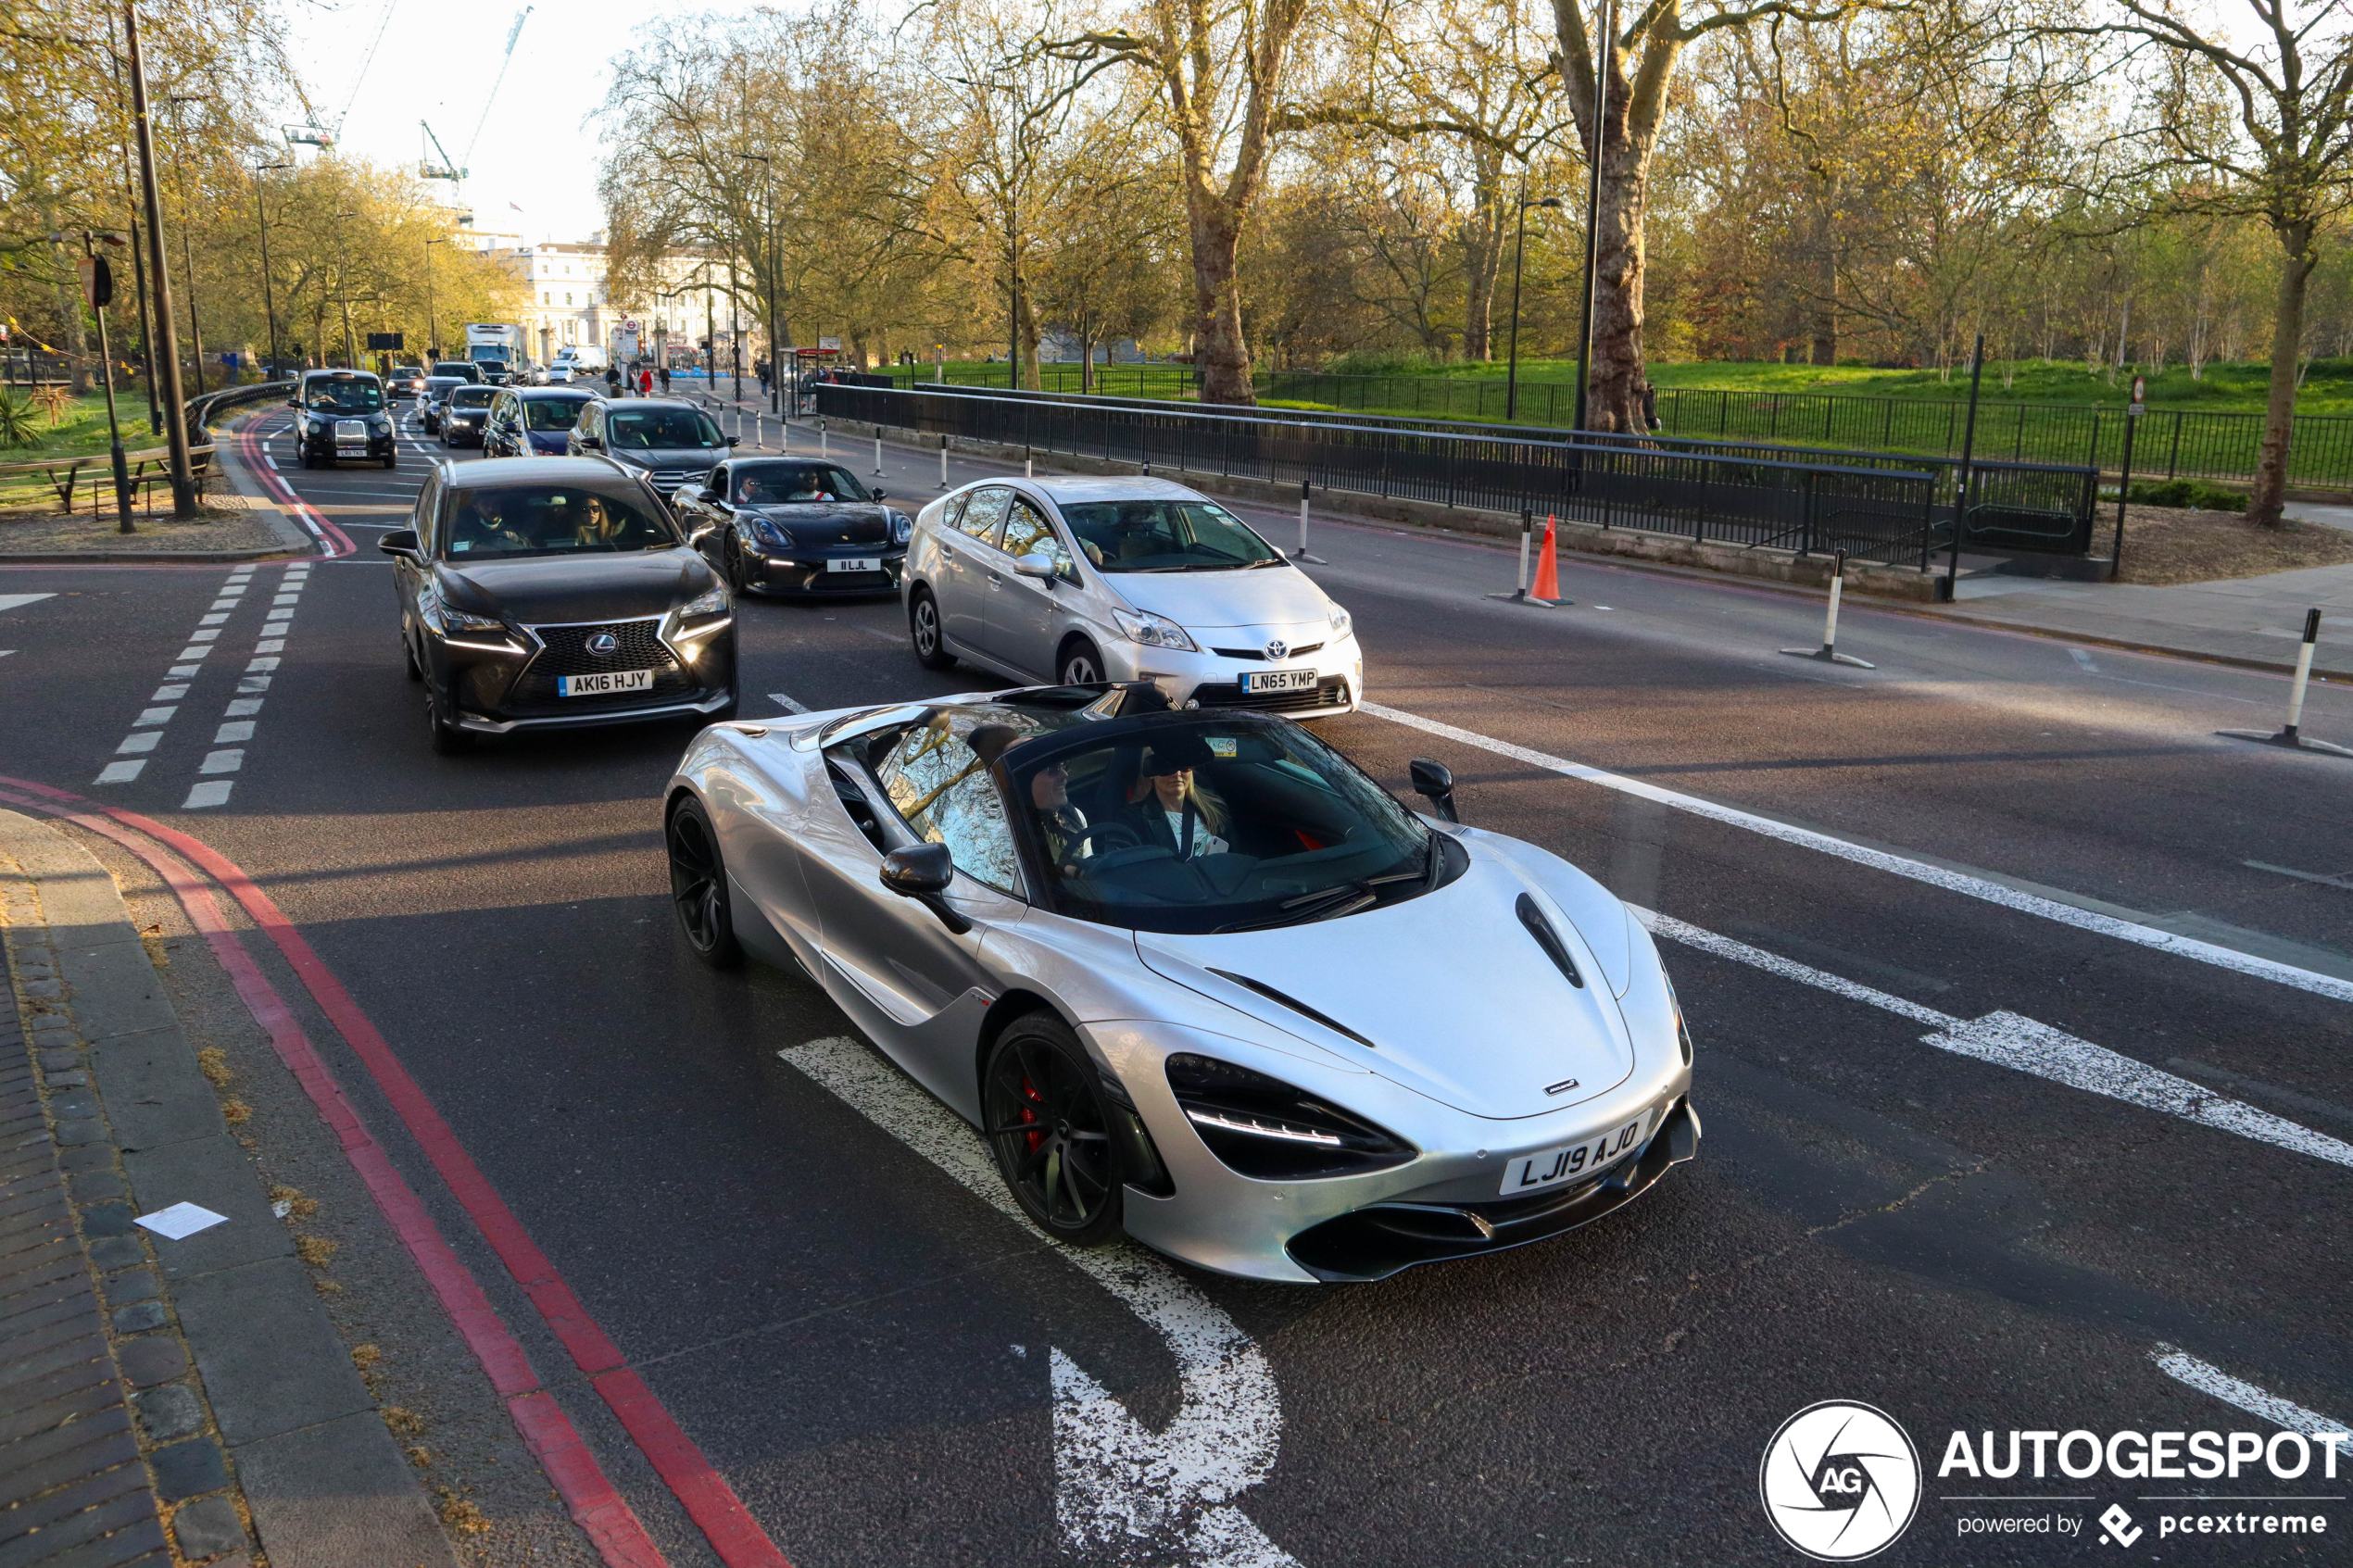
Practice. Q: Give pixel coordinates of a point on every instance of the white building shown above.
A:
(570, 304)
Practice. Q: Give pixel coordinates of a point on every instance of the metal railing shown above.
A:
(1880, 513)
(2035, 508)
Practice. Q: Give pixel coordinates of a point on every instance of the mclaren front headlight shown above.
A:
(1263, 1128)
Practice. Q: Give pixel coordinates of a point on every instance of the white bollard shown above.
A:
(878, 457)
(1828, 653)
(825, 441)
(2293, 735)
(1300, 553)
(943, 462)
(1029, 463)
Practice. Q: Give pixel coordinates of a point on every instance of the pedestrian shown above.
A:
(665, 381)
(760, 368)
(645, 381)
(612, 380)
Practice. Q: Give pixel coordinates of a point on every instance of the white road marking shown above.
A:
(271, 460)
(169, 693)
(2006, 1039)
(2084, 662)
(1120, 1490)
(213, 792)
(154, 716)
(1897, 865)
(119, 773)
(15, 601)
(2206, 1378)
(787, 704)
(133, 744)
(227, 761)
(237, 730)
(243, 708)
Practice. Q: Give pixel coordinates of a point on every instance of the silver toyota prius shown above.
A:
(1076, 580)
(1195, 976)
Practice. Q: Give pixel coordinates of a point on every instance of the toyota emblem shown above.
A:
(604, 642)
(1277, 648)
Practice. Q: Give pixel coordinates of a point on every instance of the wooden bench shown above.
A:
(148, 468)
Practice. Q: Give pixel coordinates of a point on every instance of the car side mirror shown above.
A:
(293, 402)
(402, 542)
(879, 494)
(1035, 564)
(924, 873)
(591, 443)
(1435, 781)
(735, 441)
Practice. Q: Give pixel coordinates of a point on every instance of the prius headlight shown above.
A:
(1152, 631)
(1341, 620)
(1264, 1128)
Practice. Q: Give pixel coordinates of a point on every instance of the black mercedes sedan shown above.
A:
(795, 527)
(541, 594)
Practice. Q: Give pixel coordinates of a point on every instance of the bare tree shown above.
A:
(2269, 125)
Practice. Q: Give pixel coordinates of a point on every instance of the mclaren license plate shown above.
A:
(1280, 680)
(605, 683)
(1554, 1167)
(854, 563)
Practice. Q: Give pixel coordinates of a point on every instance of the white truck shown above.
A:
(501, 342)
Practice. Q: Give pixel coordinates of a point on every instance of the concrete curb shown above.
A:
(275, 1417)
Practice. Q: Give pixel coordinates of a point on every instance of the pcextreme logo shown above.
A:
(1840, 1481)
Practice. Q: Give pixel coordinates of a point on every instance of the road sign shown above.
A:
(385, 341)
(97, 280)
(831, 342)
(2140, 397)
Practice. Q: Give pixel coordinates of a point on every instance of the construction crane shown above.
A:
(508, 58)
(446, 168)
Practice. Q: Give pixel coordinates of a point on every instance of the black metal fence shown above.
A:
(1875, 509)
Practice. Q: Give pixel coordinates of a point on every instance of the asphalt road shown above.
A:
(862, 1348)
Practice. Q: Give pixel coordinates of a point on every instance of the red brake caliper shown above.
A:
(1037, 1138)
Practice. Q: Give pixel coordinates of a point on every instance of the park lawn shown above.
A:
(2238, 387)
(81, 432)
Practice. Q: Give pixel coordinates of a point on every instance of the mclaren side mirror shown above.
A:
(402, 543)
(922, 873)
(1035, 564)
(1435, 781)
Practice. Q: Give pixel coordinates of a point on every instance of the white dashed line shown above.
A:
(1880, 859)
(2206, 1378)
(146, 740)
(787, 704)
(212, 792)
(2007, 1040)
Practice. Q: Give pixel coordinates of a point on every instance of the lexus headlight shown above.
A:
(1340, 621)
(443, 617)
(1264, 1128)
(1152, 631)
(713, 603)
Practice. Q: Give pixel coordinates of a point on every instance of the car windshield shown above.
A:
(1166, 536)
(549, 520)
(454, 368)
(472, 396)
(343, 395)
(552, 413)
(440, 384)
(771, 484)
(1200, 824)
(407, 373)
(642, 430)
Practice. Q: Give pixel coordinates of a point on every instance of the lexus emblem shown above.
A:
(1277, 648)
(604, 642)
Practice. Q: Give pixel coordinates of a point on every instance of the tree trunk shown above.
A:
(1483, 240)
(2270, 490)
(1614, 400)
(1822, 322)
(1221, 355)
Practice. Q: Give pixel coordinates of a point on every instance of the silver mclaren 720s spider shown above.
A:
(1196, 976)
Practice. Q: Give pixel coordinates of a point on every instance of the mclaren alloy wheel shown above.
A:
(698, 887)
(1048, 1125)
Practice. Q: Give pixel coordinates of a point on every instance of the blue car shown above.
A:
(532, 421)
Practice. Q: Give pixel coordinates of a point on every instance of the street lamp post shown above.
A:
(269, 299)
(183, 484)
(343, 288)
(768, 279)
(1519, 250)
(432, 319)
(187, 235)
(1604, 41)
(100, 287)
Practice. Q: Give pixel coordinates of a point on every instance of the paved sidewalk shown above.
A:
(147, 1385)
(2243, 619)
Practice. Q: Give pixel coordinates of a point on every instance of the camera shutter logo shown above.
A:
(1840, 1481)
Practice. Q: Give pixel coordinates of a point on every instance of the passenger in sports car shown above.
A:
(1170, 806)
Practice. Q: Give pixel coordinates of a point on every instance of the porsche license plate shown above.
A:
(854, 563)
(1280, 680)
(1555, 1167)
(605, 683)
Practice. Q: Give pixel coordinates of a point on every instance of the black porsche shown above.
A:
(540, 593)
(795, 527)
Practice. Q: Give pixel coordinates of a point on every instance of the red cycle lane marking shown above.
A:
(250, 443)
(600, 1508)
(708, 1498)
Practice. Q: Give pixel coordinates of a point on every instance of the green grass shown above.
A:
(2237, 387)
(82, 432)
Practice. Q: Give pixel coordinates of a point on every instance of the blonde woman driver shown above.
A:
(1170, 806)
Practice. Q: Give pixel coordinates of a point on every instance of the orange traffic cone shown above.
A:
(1548, 580)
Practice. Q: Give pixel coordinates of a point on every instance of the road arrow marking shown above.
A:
(1122, 1493)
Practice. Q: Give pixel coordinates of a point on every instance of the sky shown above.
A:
(536, 152)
